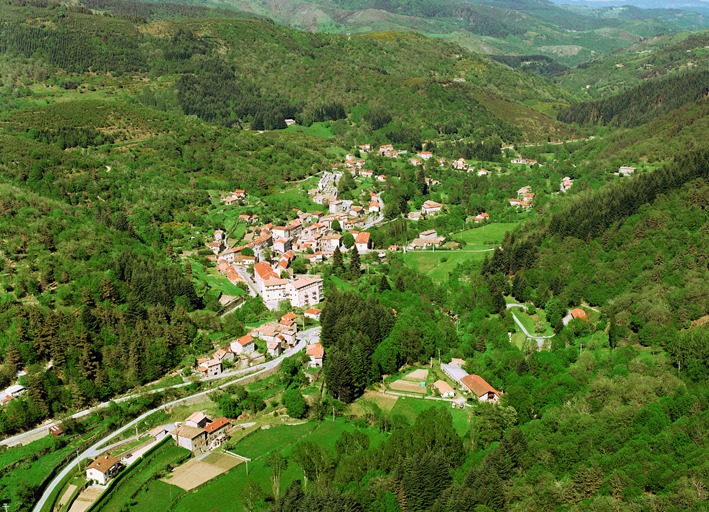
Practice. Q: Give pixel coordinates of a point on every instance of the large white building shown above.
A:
(306, 291)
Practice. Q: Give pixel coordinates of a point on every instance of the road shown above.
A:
(97, 448)
(535, 337)
(247, 279)
(379, 218)
(303, 337)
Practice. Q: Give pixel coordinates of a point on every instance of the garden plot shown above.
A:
(195, 472)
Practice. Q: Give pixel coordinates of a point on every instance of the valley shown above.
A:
(352, 255)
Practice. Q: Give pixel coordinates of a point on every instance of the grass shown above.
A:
(342, 285)
(227, 489)
(29, 464)
(410, 408)
(141, 475)
(215, 280)
(486, 236)
(321, 129)
(439, 264)
(157, 495)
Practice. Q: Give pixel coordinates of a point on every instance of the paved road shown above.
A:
(379, 218)
(98, 447)
(247, 279)
(303, 337)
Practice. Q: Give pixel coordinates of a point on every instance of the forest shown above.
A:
(122, 130)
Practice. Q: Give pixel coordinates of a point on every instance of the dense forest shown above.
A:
(120, 134)
(642, 103)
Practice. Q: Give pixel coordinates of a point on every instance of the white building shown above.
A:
(306, 291)
(103, 469)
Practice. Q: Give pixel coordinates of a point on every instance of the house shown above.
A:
(197, 420)
(483, 172)
(237, 197)
(460, 164)
(454, 371)
(56, 430)
(484, 391)
(566, 184)
(444, 389)
(244, 345)
(159, 432)
(374, 207)
(431, 208)
(217, 432)
(515, 202)
(192, 438)
(313, 313)
(382, 178)
(415, 161)
(290, 122)
(626, 170)
(524, 190)
(482, 217)
(330, 242)
(430, 234)
(579, 313)
(224, 354)
(524, 161)
(414, 216)
(210, 367)
(425, 155)
(393, 248)
(305, 291)
(441, 161)
(103, 469)
(362, 242)
(366, 148)
(387, 148)
(274, 348)
(315, 352)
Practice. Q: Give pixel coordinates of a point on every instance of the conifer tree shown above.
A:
(355, 264)
(337, 264)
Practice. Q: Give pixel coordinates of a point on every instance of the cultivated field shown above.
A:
(195, 472)
(407, 386)
(419, 375)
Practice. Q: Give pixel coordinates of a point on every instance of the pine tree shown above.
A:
(384, 284)
(355, 265)
(337, 264)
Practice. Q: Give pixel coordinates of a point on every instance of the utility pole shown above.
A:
(5, 506)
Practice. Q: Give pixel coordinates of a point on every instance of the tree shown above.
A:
(348, 240)
(384, 284)
(337, 263)
(313, 460)
(278, 464)
(335, 225)
(355, 265)
(252, 496)
(295, 403)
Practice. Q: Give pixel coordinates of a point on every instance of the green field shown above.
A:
(412, 407)
(439, 264)
(342, 285)
(321, 129)
(28, 465)
(215, 280)
(225, 492)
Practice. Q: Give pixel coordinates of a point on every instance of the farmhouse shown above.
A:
(210, 367)
(362, 242)
(626, 170)
(313, 313)
(192, 438)
(244, 345)
(103, 469)
(197, 419)
(484, 391)
(566, 184)
(444, 389)
(482, 217)
(431, 208)
(216, 432)
(315, 353)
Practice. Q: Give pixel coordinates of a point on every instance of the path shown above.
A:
(98, 447)
(539, 339)
(380, 217)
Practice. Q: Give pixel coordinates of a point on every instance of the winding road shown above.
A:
(304, 337)
(539, 339)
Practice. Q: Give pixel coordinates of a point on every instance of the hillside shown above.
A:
(535, 27)
(272, 73)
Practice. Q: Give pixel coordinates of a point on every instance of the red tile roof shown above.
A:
(104, 463)
(477, 385)
(245, 340)
(216, 425)
(316, 351)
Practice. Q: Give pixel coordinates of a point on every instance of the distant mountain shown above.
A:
(568, 34)
(700, 6)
